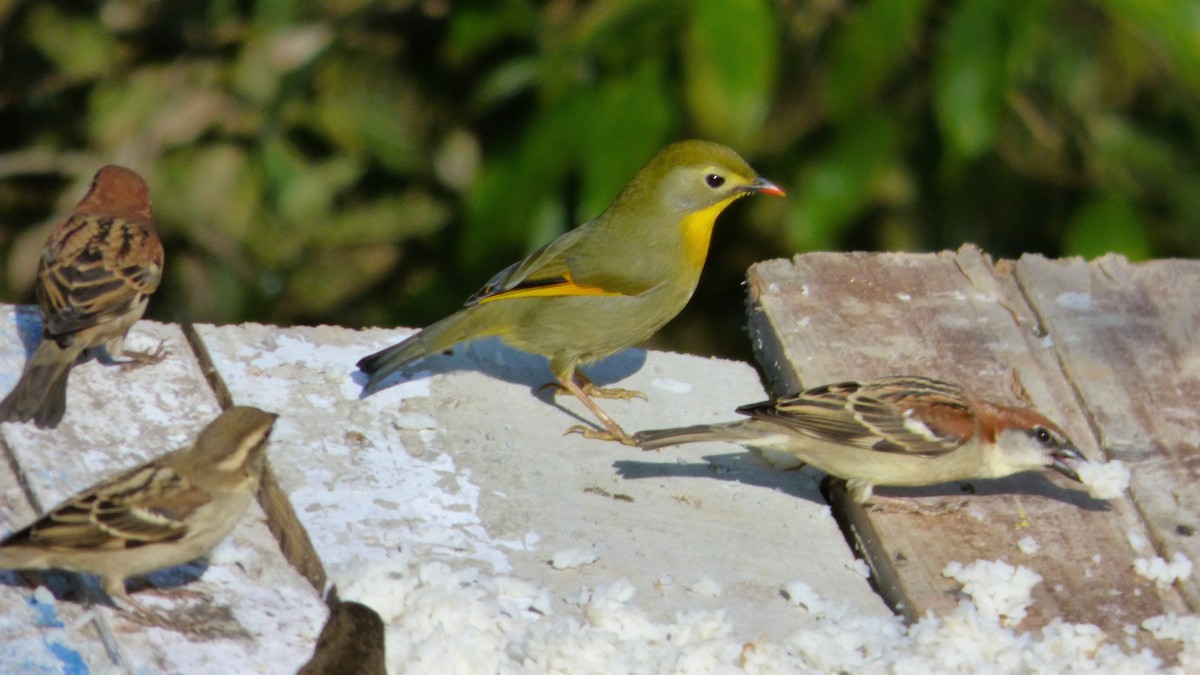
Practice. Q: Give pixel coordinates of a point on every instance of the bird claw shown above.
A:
(137, 360)
(596, 434)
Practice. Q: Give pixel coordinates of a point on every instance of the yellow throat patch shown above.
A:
(697, 231)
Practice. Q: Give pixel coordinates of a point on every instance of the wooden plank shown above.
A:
(246, 609)
(826, 317)
(1129, 339)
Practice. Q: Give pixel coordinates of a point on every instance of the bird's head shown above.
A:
(119, 191)
(695, 175)
(232, 448)
(1026, 440)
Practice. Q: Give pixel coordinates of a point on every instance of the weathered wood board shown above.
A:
(245, 610)
(827, 317)
(1128, 336)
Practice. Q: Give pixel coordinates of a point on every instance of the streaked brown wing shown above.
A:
(94, 269)
(877, 415)
(145, 505)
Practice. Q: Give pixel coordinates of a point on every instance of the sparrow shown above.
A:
(97, 271)
(893, 431)
(165, 512)
(352, 641)
(603, 286)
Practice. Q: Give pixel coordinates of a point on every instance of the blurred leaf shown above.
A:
(1107, 225)
(268, 56)
(304, 191)
(630, 119)
(333, 276)
(161, 107)
(730, 62)
(81, 47)
(872, 44)
(1169, 28)
(215, 197)
(476, 29)
(969, 76)
(838, 187)
(384, 221)
(366, 108)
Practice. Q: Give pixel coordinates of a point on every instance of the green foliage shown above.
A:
(374, 161)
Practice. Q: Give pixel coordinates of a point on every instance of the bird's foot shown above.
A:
(135, 360)
(597, 434)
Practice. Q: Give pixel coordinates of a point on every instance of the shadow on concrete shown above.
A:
(750, 469)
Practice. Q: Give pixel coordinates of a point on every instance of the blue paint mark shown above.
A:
(70, 659)
(46, 614)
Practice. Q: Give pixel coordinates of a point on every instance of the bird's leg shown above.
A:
(115, 588)
(614, 431)
(134, 360)
(595, 391)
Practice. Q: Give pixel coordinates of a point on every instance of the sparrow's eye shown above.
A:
(714, 180)
(1043, 436)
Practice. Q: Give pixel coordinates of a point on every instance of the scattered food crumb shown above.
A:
(574, 557)
(706, 587)
(1161, 572)
(1028, 545)
(860, 567)
(998, 589)
(1105, 480)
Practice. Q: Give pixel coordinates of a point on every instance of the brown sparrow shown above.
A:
(95, 276)
(901, 431)
(165, 512)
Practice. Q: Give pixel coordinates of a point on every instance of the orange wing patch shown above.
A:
(558, 286)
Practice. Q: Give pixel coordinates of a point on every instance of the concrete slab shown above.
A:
(465, 463)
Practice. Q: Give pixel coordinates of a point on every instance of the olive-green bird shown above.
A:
(607, 284)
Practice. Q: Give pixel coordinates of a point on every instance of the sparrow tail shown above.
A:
(653, 439)
(41, 393)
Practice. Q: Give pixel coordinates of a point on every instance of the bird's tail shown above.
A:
(436, 338)
(653, 439)
(41, 393)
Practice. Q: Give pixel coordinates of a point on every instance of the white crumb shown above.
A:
(1164, 573)
(1105, 480)
(706, 587)
(998, 589)
(1136, 541)
(446, 621)
(859, 567)
(1028, 545)
(574, 557)
(43, 596)
(822, 514)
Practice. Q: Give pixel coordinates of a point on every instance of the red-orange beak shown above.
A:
(763, 186)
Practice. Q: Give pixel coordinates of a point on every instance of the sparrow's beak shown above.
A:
(763, 186)
(1064, 459)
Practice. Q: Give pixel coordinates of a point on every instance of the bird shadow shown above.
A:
(748, 468)
(29, 328)
(80, 588)
(740, 467)
(493, 358)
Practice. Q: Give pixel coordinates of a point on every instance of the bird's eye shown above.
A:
(1043, 436)
(714, 180)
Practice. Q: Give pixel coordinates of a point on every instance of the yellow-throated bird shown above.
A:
(605, 285)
